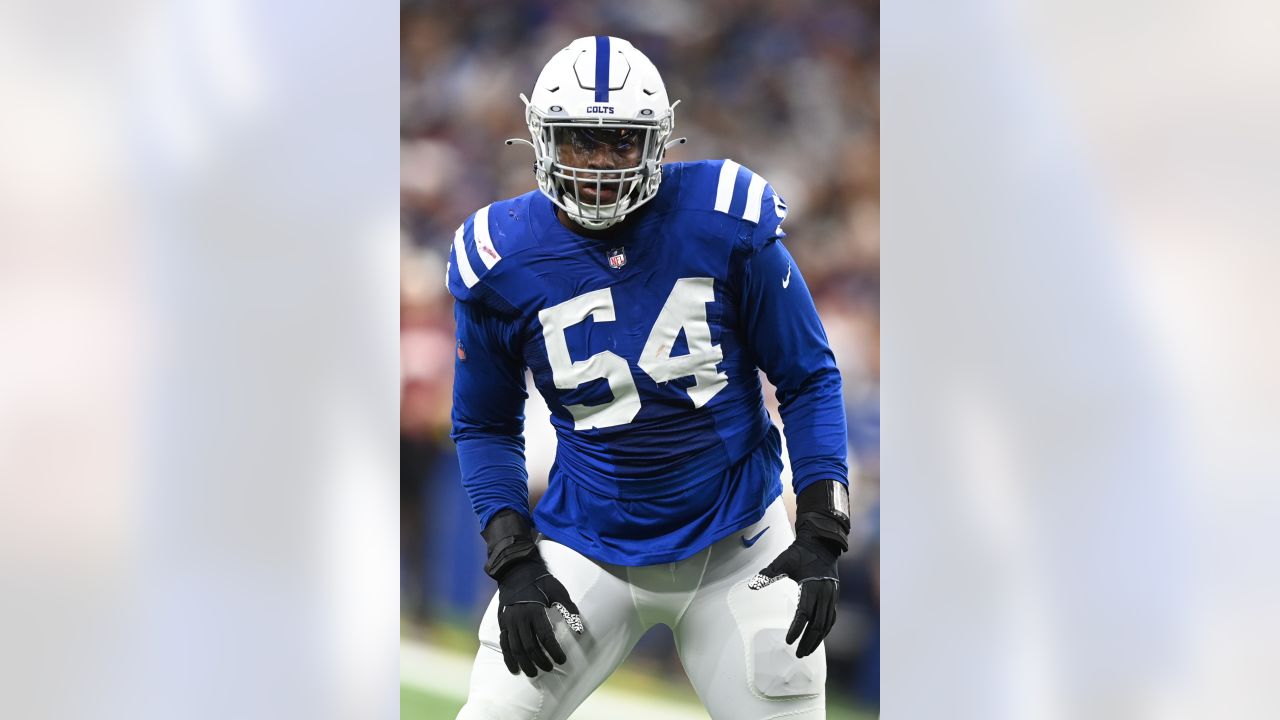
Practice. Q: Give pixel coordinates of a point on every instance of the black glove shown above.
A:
(822, 528)
(525, 590)
(813, 565)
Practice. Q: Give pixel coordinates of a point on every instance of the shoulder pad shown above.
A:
(476, 257)
(726, 187)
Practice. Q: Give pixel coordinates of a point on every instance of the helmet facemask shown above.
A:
(608, 179)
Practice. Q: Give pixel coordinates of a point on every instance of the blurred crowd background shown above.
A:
(789, 88)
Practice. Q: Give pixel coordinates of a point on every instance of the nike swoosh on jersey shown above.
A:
(787, 280)
(752, 541)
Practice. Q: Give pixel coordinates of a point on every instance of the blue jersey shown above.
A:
(646, 347)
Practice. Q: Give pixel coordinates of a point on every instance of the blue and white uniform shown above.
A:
(646, 349)
(664, 497)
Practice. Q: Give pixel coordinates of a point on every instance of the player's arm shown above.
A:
(790, 345)
(488, 424)
(488, 412)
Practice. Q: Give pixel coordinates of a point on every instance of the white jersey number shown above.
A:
(568, 375)
(685, 308)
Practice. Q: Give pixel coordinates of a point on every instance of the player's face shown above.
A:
(599, 148)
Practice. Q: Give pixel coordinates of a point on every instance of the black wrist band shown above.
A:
(822, 512)
(824, 527)
(825, 496)
(508, 540)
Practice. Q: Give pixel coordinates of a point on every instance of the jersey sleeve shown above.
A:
(788, 342)
(473, 265)
(488, 411)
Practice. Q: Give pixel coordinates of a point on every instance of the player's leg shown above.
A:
(732, 640)
(611, 629)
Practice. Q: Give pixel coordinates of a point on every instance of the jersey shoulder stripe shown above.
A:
(482, 248)
(473, 254)
(484, 241)
(747, 206)
(459, 259)
(743, 193)
(725, 184)
(755, 194)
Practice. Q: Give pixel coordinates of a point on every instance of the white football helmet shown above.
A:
(596, 92)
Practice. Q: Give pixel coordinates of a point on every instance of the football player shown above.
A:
(645, 298)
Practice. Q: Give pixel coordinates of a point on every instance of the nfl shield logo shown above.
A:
(617, 258)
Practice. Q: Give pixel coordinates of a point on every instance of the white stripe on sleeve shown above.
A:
(724, 191)
(755, 197)
(484, 244)
(464, 263)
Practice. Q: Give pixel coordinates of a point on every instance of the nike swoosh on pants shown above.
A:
(752, 541)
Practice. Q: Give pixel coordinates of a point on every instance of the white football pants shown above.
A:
(731, 640)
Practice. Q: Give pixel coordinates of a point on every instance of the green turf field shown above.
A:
(417, 704)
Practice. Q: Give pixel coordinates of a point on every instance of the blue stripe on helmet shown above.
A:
(602, 68)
